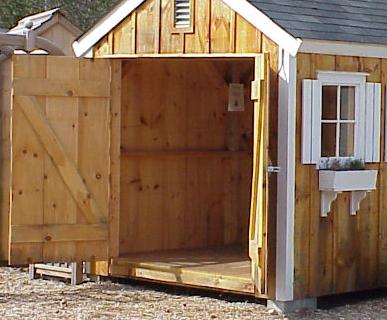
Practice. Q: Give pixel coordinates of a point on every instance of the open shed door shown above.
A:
(258, 209)
(60, 161)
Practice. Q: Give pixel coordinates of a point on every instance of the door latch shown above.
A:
(273, 169)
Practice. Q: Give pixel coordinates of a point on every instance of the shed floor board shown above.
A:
(225, 268)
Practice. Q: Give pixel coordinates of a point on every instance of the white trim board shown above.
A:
(342, 48)
(264, 24)
(256, 17)
(103, 27)
(286, 177)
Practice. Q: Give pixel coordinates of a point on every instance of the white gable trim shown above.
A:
(103, 27)
(342, 48)
(262, 22)
(256, 17)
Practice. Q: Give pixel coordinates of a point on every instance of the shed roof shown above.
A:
(44, 20)
(363, 21)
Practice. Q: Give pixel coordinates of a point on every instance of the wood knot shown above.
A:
(48, 238)
(70, 93)
(24, 151)
(98, 176)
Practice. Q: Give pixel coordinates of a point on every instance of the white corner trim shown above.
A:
(342, 48)
(90, 38)
(262, 22)
(286, 177)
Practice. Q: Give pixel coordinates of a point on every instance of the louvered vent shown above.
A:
(182, 14)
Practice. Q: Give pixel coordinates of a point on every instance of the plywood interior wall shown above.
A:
(340, 253)
(149, 29)
(185, 160)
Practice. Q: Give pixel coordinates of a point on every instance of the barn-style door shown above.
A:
(60, 162)
(258, 210)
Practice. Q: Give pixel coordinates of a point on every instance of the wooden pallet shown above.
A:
(72, 271)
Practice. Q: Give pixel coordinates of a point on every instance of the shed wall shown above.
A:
(61, 37)
(343, 253)
(217, 30)
(186, 160)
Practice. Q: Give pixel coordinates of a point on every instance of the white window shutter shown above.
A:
(372, 121)
(311, 122)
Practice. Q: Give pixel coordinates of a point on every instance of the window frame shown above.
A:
(191, 28)
(342, 79)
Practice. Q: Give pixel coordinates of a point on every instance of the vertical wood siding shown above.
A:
(217, 30)
(340, 253)
(149, 30)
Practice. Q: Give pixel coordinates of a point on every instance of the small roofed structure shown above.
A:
(50, 31)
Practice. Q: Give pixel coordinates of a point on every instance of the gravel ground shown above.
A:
(21, 298)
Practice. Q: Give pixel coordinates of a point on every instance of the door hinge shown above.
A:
(273, 169)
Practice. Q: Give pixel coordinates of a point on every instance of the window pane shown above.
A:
(329, 103)
(347, 139)
(328, 140)
(347, 103)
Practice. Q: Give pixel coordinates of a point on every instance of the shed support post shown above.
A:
(286, 177)
(284, 307)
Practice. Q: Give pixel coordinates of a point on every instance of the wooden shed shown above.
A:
(231, 145)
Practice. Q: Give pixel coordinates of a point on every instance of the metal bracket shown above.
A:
(272, 169)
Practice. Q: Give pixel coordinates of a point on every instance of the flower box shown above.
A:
(358, 182)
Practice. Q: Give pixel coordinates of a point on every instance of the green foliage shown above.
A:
(83, 13)
(336, 164)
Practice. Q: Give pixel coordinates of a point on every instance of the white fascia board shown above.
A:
(90, 38)
(286, 177)
(262, 22)
(342, 48)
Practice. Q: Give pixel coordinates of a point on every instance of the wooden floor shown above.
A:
(221, 268)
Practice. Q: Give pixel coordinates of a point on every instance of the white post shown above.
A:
(286, 177)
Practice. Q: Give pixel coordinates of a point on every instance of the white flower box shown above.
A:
(340, 181)
(358, 182)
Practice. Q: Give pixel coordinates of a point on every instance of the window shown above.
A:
(341, 117)
(183, 15)
(338, 121)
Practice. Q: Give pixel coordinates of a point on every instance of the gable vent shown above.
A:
(182, 14)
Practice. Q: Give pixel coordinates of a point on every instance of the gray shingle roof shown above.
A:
(338, 20)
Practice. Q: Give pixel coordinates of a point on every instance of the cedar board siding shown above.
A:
(217, 30)
(340, 253)
(5, 158)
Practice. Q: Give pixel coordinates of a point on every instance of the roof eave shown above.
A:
(264, 24)
(104, 26)
(343, 48)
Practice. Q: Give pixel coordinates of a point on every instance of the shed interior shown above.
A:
(186, 170)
